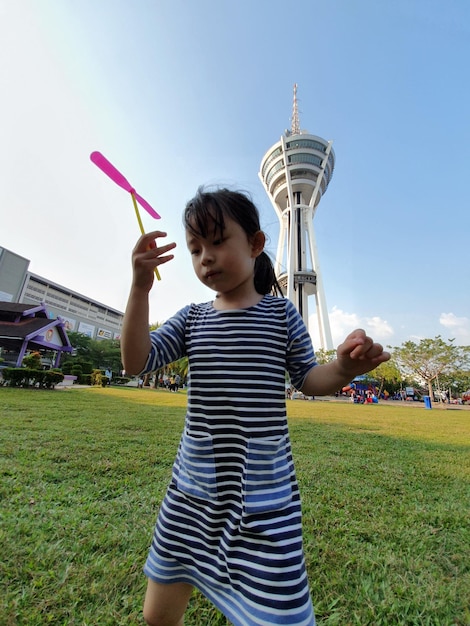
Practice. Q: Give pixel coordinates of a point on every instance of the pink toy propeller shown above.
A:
(108, 168)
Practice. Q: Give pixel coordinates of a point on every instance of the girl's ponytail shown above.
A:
(265, 278)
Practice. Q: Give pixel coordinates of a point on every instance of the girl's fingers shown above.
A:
(375, 350)
(158, 251)
(146, 248)
(371, 352)
(147, 240)
(164, 259)
(368, 350)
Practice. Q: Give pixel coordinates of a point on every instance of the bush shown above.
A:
(66, 366)
(28, 377)
(51, 378)
(32, 361)
(20, 376)
(87, 366)
(75, 366)
(77, 371)
(97, 377)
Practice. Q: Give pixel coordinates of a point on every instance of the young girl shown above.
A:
(230, 522)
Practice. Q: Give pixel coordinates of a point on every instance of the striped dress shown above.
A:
(230, 522)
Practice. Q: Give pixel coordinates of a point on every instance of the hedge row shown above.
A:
(47, 379)
(27, 377)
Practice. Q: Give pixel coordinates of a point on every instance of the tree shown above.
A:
(429, 358)
(106, 354)
(93, 353)
(325, 356)
(181, 366)
(80, 342)
(387, 373)
(457, 380)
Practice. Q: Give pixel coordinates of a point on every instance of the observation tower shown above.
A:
(295, 173)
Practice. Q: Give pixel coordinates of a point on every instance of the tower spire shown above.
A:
(295, 128)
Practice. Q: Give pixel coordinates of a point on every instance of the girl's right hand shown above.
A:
(146, 256)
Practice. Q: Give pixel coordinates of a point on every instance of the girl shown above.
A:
(230, 522)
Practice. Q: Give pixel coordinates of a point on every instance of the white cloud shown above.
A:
(378, 328)
(342, 323)
(457, 327)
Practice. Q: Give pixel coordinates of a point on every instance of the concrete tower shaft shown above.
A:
(295, 173)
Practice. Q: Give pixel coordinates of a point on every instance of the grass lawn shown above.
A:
(386, 503)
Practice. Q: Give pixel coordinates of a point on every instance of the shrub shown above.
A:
(32, 361)
(97, 377)
(29, 377)
(87, 367)
(51, 378)
(70, 363)
(14, 376)
(77, 371)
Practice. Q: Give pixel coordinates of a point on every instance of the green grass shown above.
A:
(385, 498)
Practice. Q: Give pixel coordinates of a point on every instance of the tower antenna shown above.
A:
(295, 128)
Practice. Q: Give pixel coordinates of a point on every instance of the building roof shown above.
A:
(66, 290)
(26, 326)
(9, 311)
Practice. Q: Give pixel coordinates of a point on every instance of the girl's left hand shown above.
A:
(359, 354)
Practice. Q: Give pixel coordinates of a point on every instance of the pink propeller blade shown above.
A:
(145, 205)
(108, 168)
(115, 175)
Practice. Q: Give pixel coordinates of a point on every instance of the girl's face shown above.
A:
(225, 261)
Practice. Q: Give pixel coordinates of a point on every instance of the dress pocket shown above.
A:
(196, 474)
(267, 484)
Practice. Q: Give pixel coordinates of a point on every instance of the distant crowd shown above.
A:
(171, 383)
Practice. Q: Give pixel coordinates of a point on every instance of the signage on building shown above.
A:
(86, 329)
(69, 323)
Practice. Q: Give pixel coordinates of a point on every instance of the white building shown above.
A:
(79, 313)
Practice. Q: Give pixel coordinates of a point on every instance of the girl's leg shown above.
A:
(165, 605)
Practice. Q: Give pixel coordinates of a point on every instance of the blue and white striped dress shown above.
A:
(230, 522)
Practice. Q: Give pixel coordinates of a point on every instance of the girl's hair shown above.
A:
(208, 208)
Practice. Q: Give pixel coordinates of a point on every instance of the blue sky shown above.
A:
(178, 93)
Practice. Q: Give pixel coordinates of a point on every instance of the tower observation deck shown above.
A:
(295, 174)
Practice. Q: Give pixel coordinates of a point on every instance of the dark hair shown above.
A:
(208, 208)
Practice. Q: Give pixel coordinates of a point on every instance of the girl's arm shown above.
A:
(135, 337)
(357, 355)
